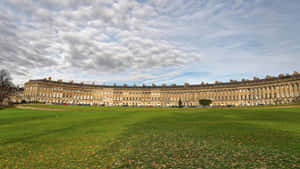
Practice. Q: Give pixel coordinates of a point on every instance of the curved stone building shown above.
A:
(272, 90)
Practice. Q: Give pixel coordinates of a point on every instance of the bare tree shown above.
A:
(5, 85)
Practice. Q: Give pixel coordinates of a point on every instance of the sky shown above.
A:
(148, 41)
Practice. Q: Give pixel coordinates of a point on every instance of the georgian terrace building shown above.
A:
(272, 90)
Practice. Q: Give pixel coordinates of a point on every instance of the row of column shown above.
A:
(267, 94)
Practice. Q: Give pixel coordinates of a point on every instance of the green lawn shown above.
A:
(92, 137)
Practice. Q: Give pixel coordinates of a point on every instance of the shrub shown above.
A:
(205, 102)
(180, 103)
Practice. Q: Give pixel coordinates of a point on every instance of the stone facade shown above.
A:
(14, 95)
(279, 90)
(17, 95)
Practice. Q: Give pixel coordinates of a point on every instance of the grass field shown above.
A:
(106, 137)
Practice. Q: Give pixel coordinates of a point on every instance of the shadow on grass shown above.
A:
(27, 138)
(6, 106)
(62, 130)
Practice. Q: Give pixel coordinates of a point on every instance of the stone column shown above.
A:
(296, 89)
(264, 95)
(291, 93)
(281, 91)
(286, 93)
(272, 92)
(252, 96)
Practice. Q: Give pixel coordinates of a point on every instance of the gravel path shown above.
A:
(37, 108)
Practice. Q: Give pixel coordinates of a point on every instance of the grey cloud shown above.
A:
(117, 36)
(139, 54)
(15, 48)
(78, 35)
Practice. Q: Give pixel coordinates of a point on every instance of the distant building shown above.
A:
(17, 95)
(270, 91)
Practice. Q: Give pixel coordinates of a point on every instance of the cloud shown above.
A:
(147, 41)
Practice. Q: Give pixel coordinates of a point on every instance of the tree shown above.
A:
(295, 73)
(5, 85)
(205, 102)
(281, 75)
(244, 80)
(180, 103)
(255, 78)
(268, 77)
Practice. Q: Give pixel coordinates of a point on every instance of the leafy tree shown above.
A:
(205, 102)
(180, 103)
(5, 85)
(281, 75)
(268, 77)
(255, 78)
